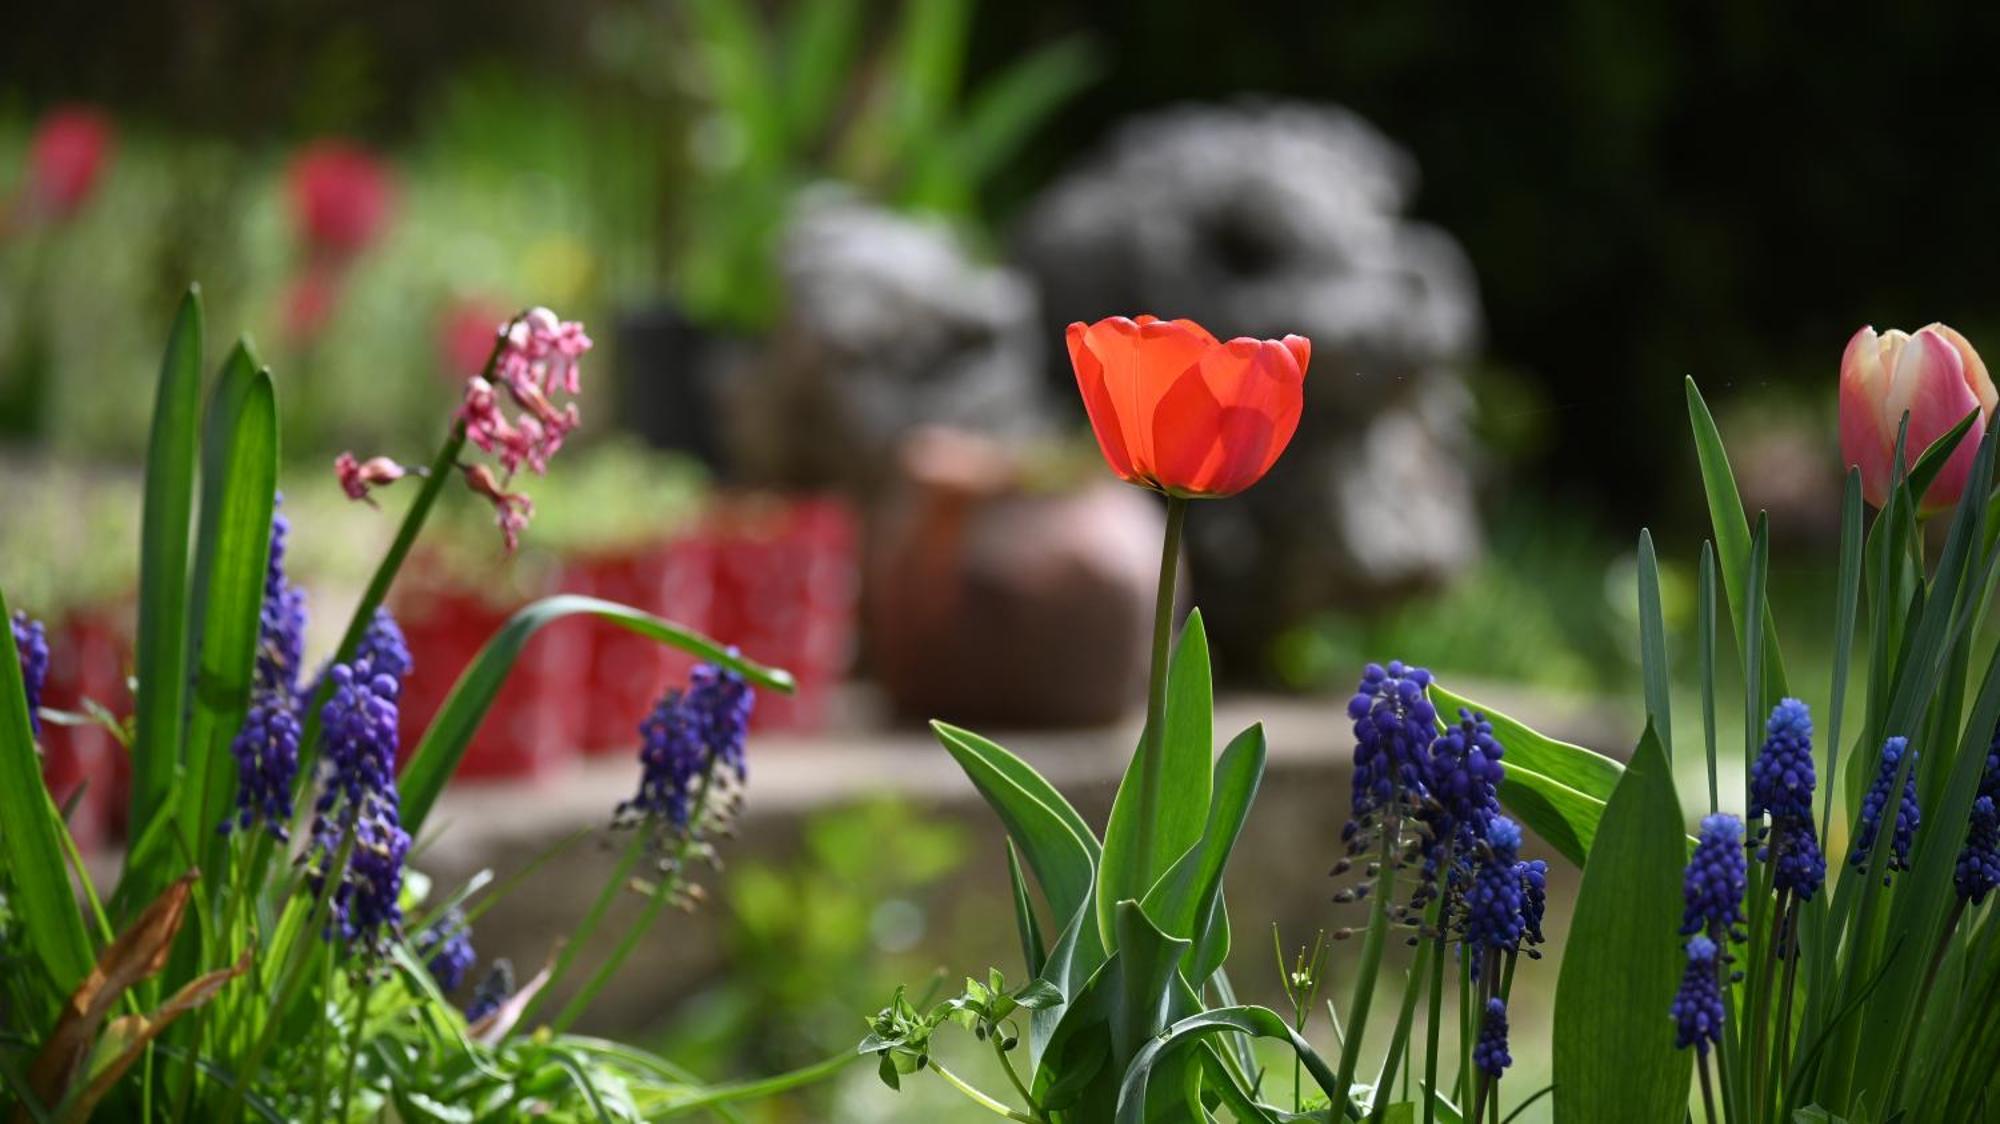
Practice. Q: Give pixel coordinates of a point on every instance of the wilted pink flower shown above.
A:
(511, 510)
(340, 198)
(357, 477)
(1935, 377)
(65, 158)
(537, 360)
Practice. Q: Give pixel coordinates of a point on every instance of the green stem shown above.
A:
(587, 928)
(717, 1097)
(354, 1048)
(1013, 1078)
(979, 1098)
(1707, 1086)
(1433, 1025)
(1151, 776)
(1467, 1031)
(1760, 1000)
(1923, 998)
(1788, 947)
(1371, 963)
(1413, 985)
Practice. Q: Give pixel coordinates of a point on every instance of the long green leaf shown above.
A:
(820, 43)
(1614, 1055)
(1129, 1000)
(1034, 950)
(437, 755)
(30, 830)
(1064, 863)
(1182, 901)
(163, 570)
(1253, 1022)
(1705, 642)
(1141, 843)
(1732, 531)
(1573, 766)
(1653, 645)
(1566, 819)
(1846, 605)
(232, 547)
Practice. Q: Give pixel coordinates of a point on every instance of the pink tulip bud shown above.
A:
(1936, 378)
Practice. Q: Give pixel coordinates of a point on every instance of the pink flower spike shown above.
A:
(511, 510)
(357, 477)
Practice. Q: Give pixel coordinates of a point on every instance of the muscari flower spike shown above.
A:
(266, 746)
(31, 647)
(1697, 1007)
(1534, 876)
(693, 739)
(1394, 726)
(360, 796)
(1978, 869)
(1801, 868)
(1781, 778)
(1463, 779)
(1490, 1054)
(1494, 903)
(1872, 805)
(446, 946)
(1717, 876)
(492, 992)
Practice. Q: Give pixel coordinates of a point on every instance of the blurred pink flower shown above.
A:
(511, 510)
(340, 198)
(309, 302)
(1935, 377)
(466, 331)
(70, 148)
(537, 360)
(357, 477)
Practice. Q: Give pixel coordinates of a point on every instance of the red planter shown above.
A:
(90, 652)
(536, 723)
(628, 672)
(786, 579)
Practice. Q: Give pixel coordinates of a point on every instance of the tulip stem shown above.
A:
(1150, 744)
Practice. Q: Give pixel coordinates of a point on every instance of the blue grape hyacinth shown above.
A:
(1697, 1008)
(1534, 876)
(1718, 874)
(446, 946)
(266, 746)
(1489, 1054)
(383, 646)
(1781, 778)
(1978, 869)
(1800, 867)
(360, 797)
(1877, 800)
(692, 742)
(31, 647)
(1463, 778)
(1394, 726)
(1494, 920)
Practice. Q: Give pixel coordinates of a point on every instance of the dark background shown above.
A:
(1646, 188)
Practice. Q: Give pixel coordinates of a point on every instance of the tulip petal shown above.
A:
(1104, 420)
(1976, 376)
(1187, 426)
(1141, 362)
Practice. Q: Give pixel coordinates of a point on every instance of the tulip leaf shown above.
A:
(1251, 1022)
(1614, 1055)
(1732, 532)
(1129, 1000)
(1182, 903)
(1653, 644)
(1585, 770)
(1149, 831)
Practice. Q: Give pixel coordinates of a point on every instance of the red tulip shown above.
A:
(1178, 411)
(65, 158)
(340, 198)
(1936, 378)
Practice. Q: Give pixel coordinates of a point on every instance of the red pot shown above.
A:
(90, 652)
(785, 594)
(628, 672)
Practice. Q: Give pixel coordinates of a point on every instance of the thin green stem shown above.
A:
(1433, 1026)
(354, 1038)
(1151, 768)
(1413, 985)
(1467, 1031)
(1781, 1051)
(1371, 962)
(1014, 1078)
(1707, 1086)
(587, 928)
(979, 1098)
(1760, 1000)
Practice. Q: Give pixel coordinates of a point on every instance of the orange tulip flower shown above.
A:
(1179, 411)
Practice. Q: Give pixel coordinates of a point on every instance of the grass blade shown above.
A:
(1653, 645)
(1705, 640)
(1846, 603)
(1732, 531)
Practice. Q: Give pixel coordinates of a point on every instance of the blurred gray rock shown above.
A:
(889, 324)
(1266, 218)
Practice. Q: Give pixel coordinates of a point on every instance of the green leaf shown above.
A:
(1573, 766)
(819, 54)
(1154, 1060)
(1059, 848)
(240, 458)
(1732, 531)
(741, 75)
(1034, 951)
(1653, 645)
(1705, 642)
(1147, 833)
(1001, 116)
(437, 755)
(1565, 818)
(1182, 903)
(30, 829)
(162, 655)
(1127, 1002)
(1614, 1055)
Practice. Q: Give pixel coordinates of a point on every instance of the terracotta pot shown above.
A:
(991, 603)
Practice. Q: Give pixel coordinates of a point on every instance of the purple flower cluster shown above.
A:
(1489, 1054)
(492, 991)
(383, 646)
(1697, 1008)
(1463, 777)
(1534, 875)
(31, 647)
(1877, 800)
(1978, 870)
(266, 746)
(1394, 726)
(1781, 786)
(693, 738)
(446, 946)
(359, 798)
(1717, 876)
(1494, 903)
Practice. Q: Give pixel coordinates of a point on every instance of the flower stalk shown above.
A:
(1151, 746)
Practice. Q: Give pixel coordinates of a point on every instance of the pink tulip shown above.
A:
(1936, 378)
(70, 148)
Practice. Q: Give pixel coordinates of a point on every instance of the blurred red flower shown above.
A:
(340, 198)
(467, 330)
(1176, 410)
(67, 155)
